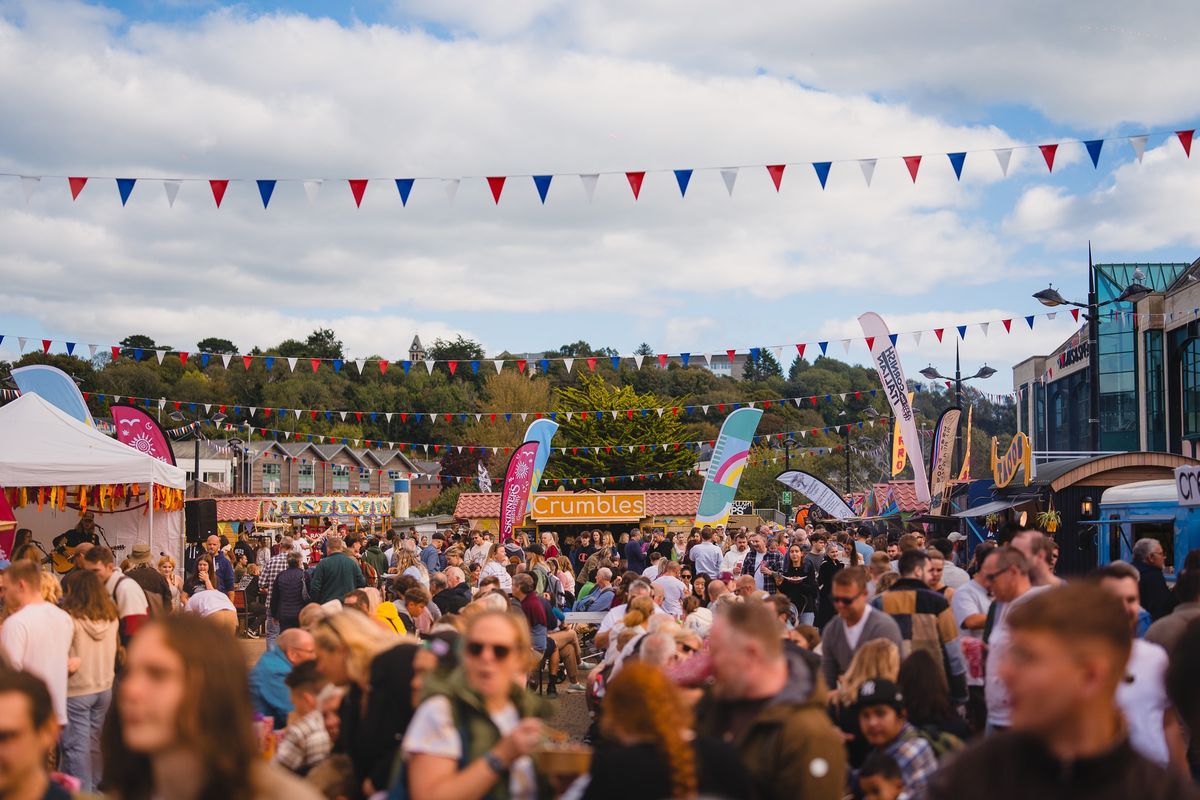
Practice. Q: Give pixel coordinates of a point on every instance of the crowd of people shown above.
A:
(815, 662)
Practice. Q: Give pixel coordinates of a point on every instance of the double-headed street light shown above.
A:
(982, 374)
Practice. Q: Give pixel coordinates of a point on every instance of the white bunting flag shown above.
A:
(917, 338)
(778, 354)
(983, 326)
(360, 363)
(638, 359)
(478, 417)
(29, 185)
(568, 363)
(708, 359)
(21, 340)
(172, 190)
(162, 403)
(91, 351)
(451, 187)
(660, 413)
(388, 417)
(868, 169)
(253, 410)
(159, 355)
(225, 359)
(291, 364)
(499, 362)
(523, 416)
(207, 408)
(846, 345)
(429, 362)
(614, 414)
(1139, 146)
(705, 409)
(312, 189)
(730, 178)
(589, 184)
(1051, 315)
(1004, 156)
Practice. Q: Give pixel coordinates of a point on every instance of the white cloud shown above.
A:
(1118, 62)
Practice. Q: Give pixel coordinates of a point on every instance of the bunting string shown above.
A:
(541, 183)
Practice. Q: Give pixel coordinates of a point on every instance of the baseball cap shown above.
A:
(956, 537)
(879, 692)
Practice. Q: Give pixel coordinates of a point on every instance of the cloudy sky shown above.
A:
(459, 89)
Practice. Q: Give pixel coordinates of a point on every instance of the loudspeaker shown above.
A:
(199, 519)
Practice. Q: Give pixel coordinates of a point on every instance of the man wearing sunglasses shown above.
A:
(1007, 571)
(856, 623)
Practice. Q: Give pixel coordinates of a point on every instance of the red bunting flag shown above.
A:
(77, 185)
(521, 365)
(116, 351)
(913, 163)
(453, 366)
(776, 171)
(938, 333)
(591, 362)
(496, 184)
(635, 182)
(870, 342)
(313, 413)
(46, 345)
(246, 360)
(1048, 151)
(357, 187)
(316, 363)
(1185, 139)
(1007, 325)
(731, 354)
(218, 190)
(1075, 314)
(800, 350)
(662, 360)
(383, 365)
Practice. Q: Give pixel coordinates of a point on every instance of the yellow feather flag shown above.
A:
(899, 451)
(965, 474)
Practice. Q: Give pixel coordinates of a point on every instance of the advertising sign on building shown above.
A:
(610, 507)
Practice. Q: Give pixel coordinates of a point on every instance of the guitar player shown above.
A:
(66, 542)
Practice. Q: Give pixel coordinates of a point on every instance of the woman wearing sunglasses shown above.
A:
(484, 709)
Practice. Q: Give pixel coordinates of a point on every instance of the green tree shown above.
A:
(215, 344)
(457, 349)
(138, 341)
(644, 349)
(765, 367)
(613, 444)
(323, 343)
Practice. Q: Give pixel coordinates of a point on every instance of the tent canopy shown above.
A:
(43, 446)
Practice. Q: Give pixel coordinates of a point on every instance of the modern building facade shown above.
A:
(1146, 359)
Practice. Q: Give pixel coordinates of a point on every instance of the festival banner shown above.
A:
(1019, 454)
(965, 473)
(55, 387)
(517, 480)
(899, 451)
(729, 458)
(541, 431)
(815, 489)
(891, 375)
(331, 506)
(138, 429)
(942, 455)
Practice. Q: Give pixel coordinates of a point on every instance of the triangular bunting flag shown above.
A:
(938, 333)
(867, 165)
(983, 326)
(917, 338)
(383, 365)
(683, 177)
(730, 178)
(846, 346)
(312, 188)
(962, 331)
(46, 346)
(1048, 151)
(77, 185)
(824, 346)
(1138, 143)
(1007, 323)
(246, 360)
(1185, 139)
(542, 183)
(1093, 149)
(731, 354)
(913, 163)
(1075, 314)
(360, 363)
(404, 187)
(316, 363)
(265, 190)
(822, 168)
(451, 187)
(956, 161)
(291, 364)
(1029, 321)
(172, 190)
(499, 363)
(29, 185)
(800, 350)
(225, 358)
(589, 184)
(358, 186)
(71, 350)
(125, 188)
(568, 363)
(870, 342)
(1004, 156)
(776, 173)
(638, 359)
(218, 187)
(635, 182)
(496, 184)
(894, 337)
(429, 362)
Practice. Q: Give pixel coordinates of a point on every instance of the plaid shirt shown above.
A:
(304, 744)
(266, 581)
(915, 758)
(772, 560)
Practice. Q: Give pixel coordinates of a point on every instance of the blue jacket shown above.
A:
(268, 692)
(225, 580)
(432, 559)
(635, 556)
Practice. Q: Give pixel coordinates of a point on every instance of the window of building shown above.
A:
(1190, 364)
(1040, 440)
(364, 480)
(306, 482)
(214, 477)
(1023, 408)
(270, 478)
(395, 475)
(1156, 415)
(341, 478)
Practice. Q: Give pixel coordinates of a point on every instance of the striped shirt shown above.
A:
(304, 744)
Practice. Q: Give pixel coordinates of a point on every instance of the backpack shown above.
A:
(154, 602)
(943, 743)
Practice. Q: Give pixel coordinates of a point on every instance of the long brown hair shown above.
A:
(86, 598)
(215, 717)
(640, 702)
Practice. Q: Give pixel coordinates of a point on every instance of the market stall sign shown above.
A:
(1019, 455)
(331, 506)
(1187, 486)
(611, 506)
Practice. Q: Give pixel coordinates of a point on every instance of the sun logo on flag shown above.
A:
(142, 443)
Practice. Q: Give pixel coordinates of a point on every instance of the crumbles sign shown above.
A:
(611, 506)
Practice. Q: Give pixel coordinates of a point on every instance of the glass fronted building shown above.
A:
(1142, 354)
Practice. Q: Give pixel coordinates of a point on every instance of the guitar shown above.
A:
(62, 559)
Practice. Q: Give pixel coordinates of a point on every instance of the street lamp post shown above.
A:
(1051, 298)
(932, 374)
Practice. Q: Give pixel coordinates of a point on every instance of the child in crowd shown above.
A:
(880, 778)
(334, 778)
(305, 743)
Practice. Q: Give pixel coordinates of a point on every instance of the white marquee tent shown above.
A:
(43, 446)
